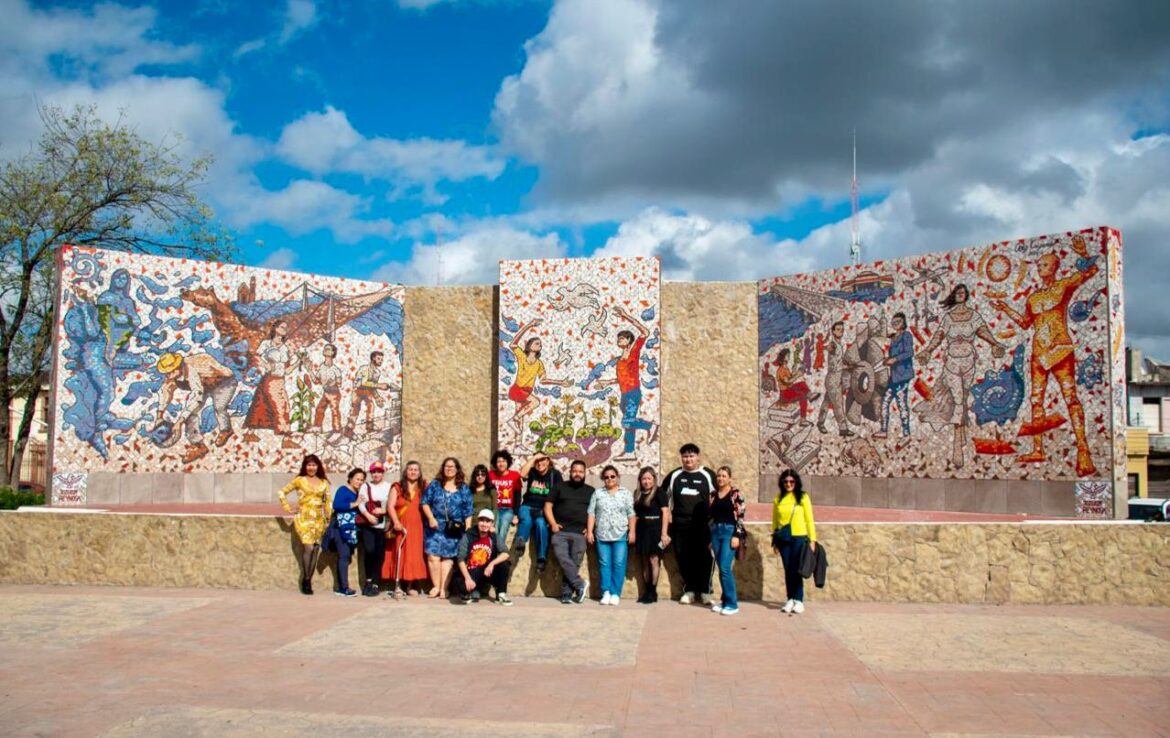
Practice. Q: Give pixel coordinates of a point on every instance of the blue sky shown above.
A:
(420, 141)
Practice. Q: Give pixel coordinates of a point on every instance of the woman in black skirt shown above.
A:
(652, 506)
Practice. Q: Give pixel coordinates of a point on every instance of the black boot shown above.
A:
(306, 588)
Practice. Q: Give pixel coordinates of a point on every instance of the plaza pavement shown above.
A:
(93, 661)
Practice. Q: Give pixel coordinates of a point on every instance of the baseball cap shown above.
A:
(486, 514)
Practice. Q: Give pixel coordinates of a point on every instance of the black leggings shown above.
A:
(373, 543)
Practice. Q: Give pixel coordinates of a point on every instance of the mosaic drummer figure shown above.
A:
(1053, 352)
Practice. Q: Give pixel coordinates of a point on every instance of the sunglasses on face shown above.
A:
(609, 476)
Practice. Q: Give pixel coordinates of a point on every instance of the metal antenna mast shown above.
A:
(855, 245)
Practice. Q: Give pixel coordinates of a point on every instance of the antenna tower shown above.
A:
(855, 244)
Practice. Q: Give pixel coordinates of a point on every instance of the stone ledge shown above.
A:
(971, 563)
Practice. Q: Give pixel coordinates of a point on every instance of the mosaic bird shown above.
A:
(1000, 393)
(581, 297)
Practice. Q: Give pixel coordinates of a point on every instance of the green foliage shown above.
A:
(10, 498)
(302, 406)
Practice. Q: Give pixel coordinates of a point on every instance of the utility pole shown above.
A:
(855, 244)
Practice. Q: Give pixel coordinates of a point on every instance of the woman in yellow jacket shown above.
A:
(792, 529)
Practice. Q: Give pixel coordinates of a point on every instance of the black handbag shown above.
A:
(453, 528)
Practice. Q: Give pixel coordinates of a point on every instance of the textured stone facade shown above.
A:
(992, 563)
(448, 392)
(709, 379)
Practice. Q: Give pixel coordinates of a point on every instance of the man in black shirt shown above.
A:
(688, 488)
(567, 514)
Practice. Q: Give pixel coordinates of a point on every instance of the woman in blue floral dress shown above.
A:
(447, 507)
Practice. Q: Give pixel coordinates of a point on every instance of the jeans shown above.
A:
(533, 517)
(790, 552)
(503, 523)
(721, 534)
(690, 540)
(899, 393)
(373, 543)
(631, 401)
(611, 560)
(569, 548)
(344, 553)
(498, 579)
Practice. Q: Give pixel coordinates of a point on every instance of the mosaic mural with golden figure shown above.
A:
(989, 362)
(579, 360)
(176, 365)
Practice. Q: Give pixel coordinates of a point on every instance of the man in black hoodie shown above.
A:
(688, 487)
(567, 514)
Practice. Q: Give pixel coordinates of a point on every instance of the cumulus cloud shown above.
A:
(282, 258)
(471, 258)
(694, 248)
(326, 142)
(299, 15)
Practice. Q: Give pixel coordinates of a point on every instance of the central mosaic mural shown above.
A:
(176, 365)
(989, 362)
(579, 360)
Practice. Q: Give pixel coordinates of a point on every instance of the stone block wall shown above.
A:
(992, 563)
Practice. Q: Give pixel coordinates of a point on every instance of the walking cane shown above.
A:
(399, 593)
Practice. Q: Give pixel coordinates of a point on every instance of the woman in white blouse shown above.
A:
(611, 525)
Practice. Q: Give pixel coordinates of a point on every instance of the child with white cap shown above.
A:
(481, 563)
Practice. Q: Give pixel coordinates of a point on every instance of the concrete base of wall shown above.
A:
(953, 495)
(116, 488)
(976, 563)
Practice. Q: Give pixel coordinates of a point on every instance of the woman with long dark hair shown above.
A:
(446, 505)
(652, 506)
(483, 493)
(269, 408)
(725, 510)
(312, 489)
(792, 529)
(405, 563)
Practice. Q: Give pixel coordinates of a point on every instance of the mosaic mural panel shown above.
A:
(990, 362)
(177, 365)
(579, 360)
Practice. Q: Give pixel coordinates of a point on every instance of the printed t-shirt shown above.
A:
(540, 486)
(507, 488)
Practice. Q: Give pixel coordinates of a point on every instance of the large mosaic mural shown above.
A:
(989, 362)
(176, 365)
(579, 360)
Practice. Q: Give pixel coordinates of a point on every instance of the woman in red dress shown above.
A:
(405, 562)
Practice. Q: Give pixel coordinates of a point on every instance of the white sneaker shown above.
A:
(705, 598)
(614, 600)
(717, 607)
(729, 611)
(605, 598)
(798, 607)
(788, 606)
(687, 598)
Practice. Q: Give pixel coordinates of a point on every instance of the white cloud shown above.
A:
(472, 258)
(694, 248)
(282, 258)
(299, 15)
(326, 142)
(305, 206)
(108, 41)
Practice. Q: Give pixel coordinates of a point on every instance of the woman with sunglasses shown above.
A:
(611, 524)
(792, 529)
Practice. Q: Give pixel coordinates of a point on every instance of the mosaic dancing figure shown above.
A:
(313, 502)
(629, 382)
(204, 379)
(960, 325)
(901, 363)
(365, 393)
(834, 397)
(269, 408)
(529, 368)
(1053, 353)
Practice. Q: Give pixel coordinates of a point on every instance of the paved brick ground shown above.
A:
(90, 661)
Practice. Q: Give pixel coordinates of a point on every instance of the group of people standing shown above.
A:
(412, 530)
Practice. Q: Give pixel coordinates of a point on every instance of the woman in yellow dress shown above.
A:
(312, 514)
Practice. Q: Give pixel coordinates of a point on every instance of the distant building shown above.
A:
(1148, 389)
(33, 465)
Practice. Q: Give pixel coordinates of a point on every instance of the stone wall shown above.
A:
(709, 376)
(992, 563)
